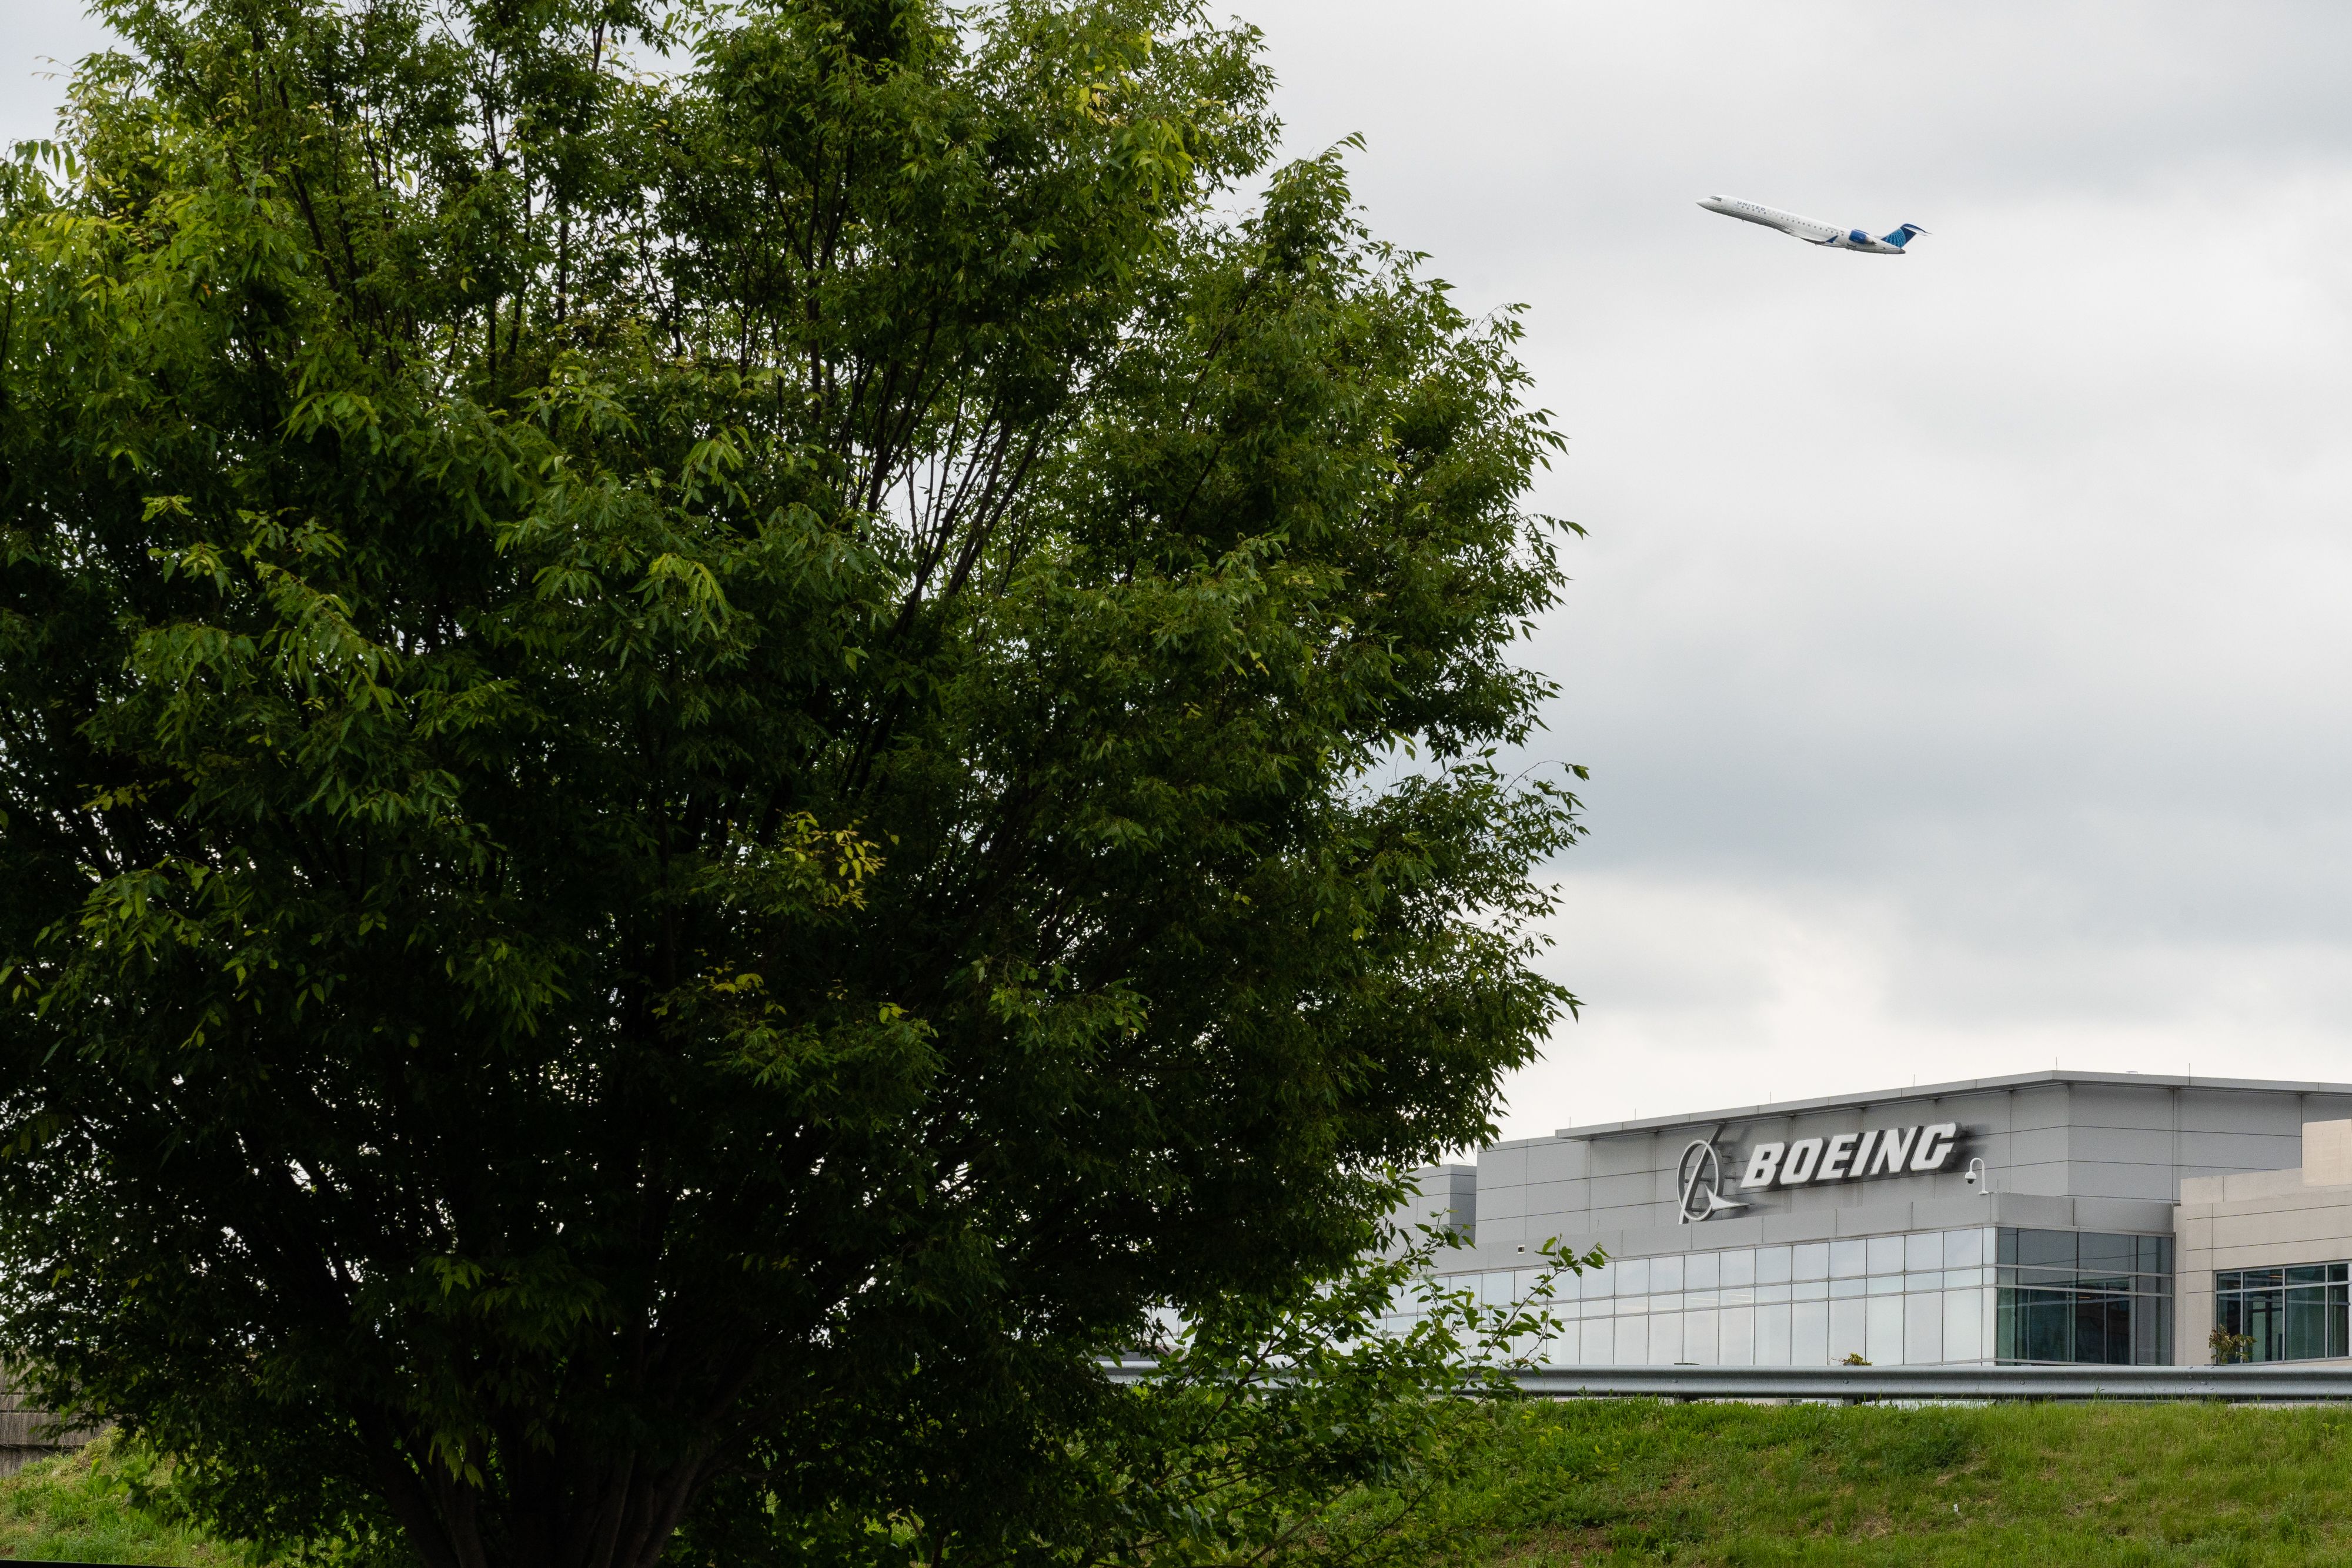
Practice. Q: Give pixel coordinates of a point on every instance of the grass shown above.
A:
(95, 1506)
(1642, 1482)
(1639, 1481)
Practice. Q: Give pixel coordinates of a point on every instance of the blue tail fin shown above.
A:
(1902, 237)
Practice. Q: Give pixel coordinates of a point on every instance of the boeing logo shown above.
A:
(1811, 1161)
(1851, 1156)
(1700, 1178)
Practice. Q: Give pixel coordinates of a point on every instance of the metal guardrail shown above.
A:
(2298, 1385)
(1853, 1384)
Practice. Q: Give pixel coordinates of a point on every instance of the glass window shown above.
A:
(2296, 1314)
(1665, 1274)
(1848, 1260)
(1883, 1338)
(1813, 1261)
(1701, 1271)
(1963, 1325)
(2046, 1249)
(1600, 1284)
(1923, 1249)
(1847, 1335)
(1809, 1333)
(2067, 1296)
(2103, 1254)
(1772, 1265)
(1885, 1254)
(1964, 1249)
(1737, 1329)
(1702, 1338)
(1739, 1267)
(1923, 1330)
(1634, 1277)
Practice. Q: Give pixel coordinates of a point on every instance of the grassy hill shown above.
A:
(1641, 1483)
(2124, 1484)
(97, 1506)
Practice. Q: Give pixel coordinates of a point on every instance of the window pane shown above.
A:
(1634, 1277)
(1809, 1333)
(1964, 1249)
(2153, 1254)
(1813, 1261)
(1700, 1345)
(1923, 1249)
(2262, 1320)
(1848, 1260)
(1963, 1325)
(1885, 1254)
(1665, 1274)
(2306, 1324)
(2048, 1248)
(2102, 1253)
(1923, 1330)
(1884, 1334)
(1739, 1267)
(2312, 1274)
(1772, 1265)
(1848, 1335)
(2102, 1330)
(1736, 1327)
(2006, 1248)
(1772, 1336)
(2045, 1325)
(1701, 1271)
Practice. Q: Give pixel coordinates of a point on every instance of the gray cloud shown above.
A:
(1961, 647)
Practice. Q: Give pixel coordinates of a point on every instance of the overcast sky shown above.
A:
(1961, 648)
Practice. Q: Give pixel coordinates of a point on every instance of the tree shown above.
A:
(691, 755)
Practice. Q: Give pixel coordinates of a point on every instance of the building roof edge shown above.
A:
(2048, 1077)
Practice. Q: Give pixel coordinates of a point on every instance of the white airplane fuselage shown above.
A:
(1813, 230)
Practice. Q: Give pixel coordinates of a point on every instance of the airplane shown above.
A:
(1812, 230)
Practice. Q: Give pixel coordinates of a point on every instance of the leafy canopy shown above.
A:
(688, 755)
